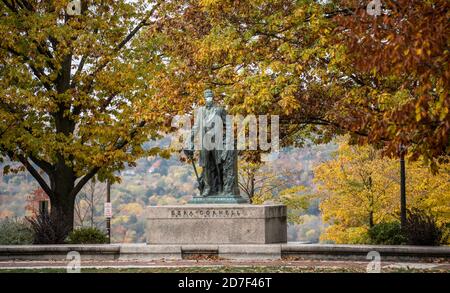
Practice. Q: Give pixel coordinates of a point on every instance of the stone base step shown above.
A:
(289, 250)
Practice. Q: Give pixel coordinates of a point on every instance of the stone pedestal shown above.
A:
(216, 224)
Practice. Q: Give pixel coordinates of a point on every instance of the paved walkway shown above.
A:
(211, 263)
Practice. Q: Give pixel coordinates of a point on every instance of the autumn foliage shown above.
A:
(400, 63)
(77, 92)
(326, 68)
(81, 94)
(359, 189)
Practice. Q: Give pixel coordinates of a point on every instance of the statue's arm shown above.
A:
(224, 116)
(194, 131)
(196, 127)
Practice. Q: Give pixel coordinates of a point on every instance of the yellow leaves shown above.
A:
(359, 182)
(418, 114)
(276, 66)
(207, 3)
(299, 13)
(261, 198)
(220, 43)
(119, 219)
(295, 198)
(444, 113)
(392, 101)
(354, 235)
(441, 108)
(259, 97)
(290, 52)
(165, 154)
(289, 104)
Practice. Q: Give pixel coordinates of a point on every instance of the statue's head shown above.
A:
(209, 96)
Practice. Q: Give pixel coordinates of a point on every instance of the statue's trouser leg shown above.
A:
(230, 185)
(208, 174)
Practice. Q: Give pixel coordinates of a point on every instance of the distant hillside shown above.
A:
(157, 181)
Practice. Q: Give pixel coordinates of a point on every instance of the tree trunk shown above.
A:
(62, 215)
(371, 223)
(63, 201)
(402, 191)
(63, 177)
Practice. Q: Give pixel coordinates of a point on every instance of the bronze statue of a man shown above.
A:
(218, 182)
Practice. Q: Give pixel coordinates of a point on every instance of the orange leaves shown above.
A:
(404, 56)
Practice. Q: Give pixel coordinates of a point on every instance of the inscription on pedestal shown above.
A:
(206, 213)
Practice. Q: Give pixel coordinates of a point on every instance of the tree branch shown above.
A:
(122, 44)
(38, 73)
(93, 171)
(79, 69)
(46, 166)
(84, 180)
(33, 172)
(7, 128)
(11, 6)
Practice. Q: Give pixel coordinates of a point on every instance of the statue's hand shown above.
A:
(189, 154)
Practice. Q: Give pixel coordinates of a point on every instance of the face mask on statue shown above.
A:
(209, 97)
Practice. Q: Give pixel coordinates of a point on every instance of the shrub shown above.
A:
(48, 230)
(422, 229)
(87, 235)
(387, 233)
(446, 234)
(15, 232)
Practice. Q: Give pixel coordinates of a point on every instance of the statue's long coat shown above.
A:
(225, 160)
(202, 124)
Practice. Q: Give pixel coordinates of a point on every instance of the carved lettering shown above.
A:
(206, 213)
